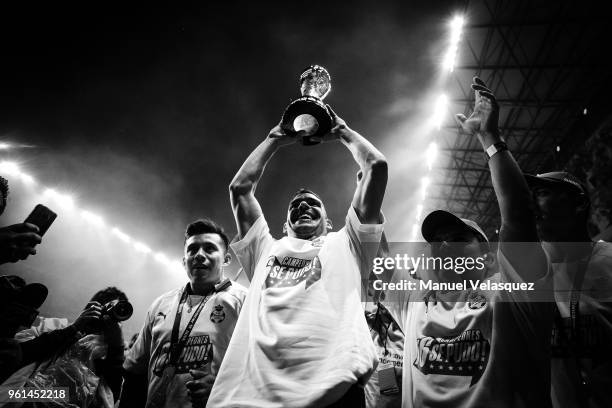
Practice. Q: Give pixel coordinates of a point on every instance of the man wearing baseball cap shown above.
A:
(18, 308)
(469, 347)
(581, 371)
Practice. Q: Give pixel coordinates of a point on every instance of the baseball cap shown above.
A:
(14, 289)
(439, 218)
(557, 179)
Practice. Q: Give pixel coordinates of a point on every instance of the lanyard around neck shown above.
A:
(176, 345)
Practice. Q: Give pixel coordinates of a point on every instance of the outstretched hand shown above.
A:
(485, 117)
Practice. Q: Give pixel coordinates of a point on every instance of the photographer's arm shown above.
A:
(48, 344)
(242, 188)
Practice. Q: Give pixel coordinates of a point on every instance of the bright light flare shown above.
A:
(176, 266)
(67, 202)
(5, 146)
(173, 266)
(121, 235)
(440, 110)
(424, 185)
(431, 154)
(92, 218)
(140, 247)
(63, 200)
(419, 211)
(161, 258)
(415, 231)
(456, 27)
(10, 168)
(27, 179)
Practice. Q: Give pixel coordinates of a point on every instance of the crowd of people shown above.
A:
(310, 331)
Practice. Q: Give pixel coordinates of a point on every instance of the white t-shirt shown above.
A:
(302, 339)
(204, 349)
(478, 349)
(594, 331)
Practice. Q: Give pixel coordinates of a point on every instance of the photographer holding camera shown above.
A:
(86, 357)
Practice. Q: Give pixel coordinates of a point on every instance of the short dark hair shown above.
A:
(206, 226)
(306, 191)
(109, 294)
(4, 190)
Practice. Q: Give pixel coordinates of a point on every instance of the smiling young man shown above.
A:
(187, 330)
(581, 367)
(302, 339)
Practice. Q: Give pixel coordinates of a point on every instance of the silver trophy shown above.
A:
(308, 113)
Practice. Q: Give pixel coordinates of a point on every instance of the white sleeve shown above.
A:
(137, 358)
(252, 246)
(364, 238)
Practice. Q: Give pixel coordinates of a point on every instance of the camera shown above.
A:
(118, 310)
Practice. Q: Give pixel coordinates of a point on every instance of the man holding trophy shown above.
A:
(301, 339)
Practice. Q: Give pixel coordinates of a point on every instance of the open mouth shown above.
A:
(306, 216)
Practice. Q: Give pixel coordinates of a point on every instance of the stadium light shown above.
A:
(67, 202)
(161, 258)
(92, 218)
(9, 167)
(26, 178)
(431, 154)
(419, 211)
(425, 182)
(415, 231)
(140, 247)
(440, 110)
(121, 235)
(456, 26)
(64, 200)
(424, 186)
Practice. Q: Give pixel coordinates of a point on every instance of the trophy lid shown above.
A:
(313, 70)
(315, 81)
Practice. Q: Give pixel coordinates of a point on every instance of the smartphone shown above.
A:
(42, 217)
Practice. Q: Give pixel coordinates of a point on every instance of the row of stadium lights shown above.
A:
(66, 202)
(440, 110)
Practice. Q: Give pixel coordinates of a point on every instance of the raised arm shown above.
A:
(242, 188)
(513, 195)
(372, 175)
